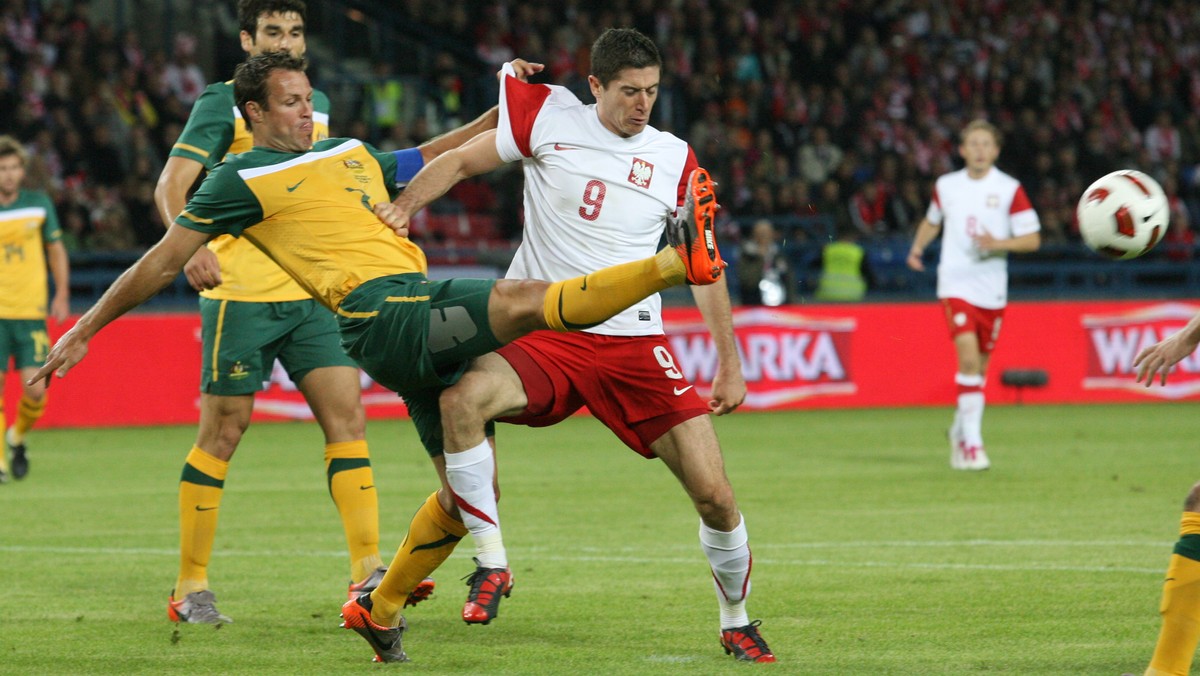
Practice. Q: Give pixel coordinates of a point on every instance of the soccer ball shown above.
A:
(1124, 214)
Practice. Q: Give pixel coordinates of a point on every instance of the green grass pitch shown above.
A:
(871, 556)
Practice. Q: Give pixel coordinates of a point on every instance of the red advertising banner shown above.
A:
(144, 369)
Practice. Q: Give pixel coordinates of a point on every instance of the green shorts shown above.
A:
(416, 337)
(24, 340)
(242, 340)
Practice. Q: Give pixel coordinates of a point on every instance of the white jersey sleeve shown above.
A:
(966, 207)
(592, 198)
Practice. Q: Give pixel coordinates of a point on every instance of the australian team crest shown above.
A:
(641, 172)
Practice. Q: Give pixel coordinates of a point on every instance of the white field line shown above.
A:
(632, 555)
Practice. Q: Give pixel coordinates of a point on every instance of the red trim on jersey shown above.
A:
(688, 165)
(935, 199)
(1020, 201)
(523, 101)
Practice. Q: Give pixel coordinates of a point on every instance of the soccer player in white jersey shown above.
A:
(983, 214)
(600, 184)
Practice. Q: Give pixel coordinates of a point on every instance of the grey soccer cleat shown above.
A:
(196, 608)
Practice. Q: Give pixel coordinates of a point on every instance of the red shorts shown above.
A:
(629, 383)
(962, 317)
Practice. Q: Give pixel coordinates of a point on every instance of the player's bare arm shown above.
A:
(60, 271)
(729, 384)
(477, 156)
(1160, 357)
(454, 138)
(149, 275)
(1020, 244)
(926, 233)
(203, 271)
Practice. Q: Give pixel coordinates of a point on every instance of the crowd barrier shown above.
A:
(144, 369)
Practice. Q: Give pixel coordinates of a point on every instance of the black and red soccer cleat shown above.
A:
(691, 231)
(746, 644)
(487, 586)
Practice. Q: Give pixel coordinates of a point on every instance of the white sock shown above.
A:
(729, 558)
(970, 409)
(470, 475)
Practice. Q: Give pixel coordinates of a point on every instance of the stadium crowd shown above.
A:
(844, 110)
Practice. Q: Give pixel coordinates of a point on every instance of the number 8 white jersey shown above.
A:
(966, 207)
(592, 198)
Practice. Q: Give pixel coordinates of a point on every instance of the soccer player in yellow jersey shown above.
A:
(316, 210)
(1180, 606)
(30, 237)
(253, 313)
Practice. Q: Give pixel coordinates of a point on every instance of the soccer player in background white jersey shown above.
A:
(983, 214)
(600, 184)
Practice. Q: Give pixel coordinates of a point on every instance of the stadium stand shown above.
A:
(100, 89)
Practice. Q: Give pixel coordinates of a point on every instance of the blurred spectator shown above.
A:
(819, 158)
(764, 275)
(869, 209)
(843, 269)
(183, 77)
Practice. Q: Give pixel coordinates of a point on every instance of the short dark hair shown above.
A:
(250, 78)
(250, 10)
(619, 48)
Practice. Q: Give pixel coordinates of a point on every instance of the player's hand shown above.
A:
(203, 271)
(60, 307)
(393, 217)
(986, 243)
(523, 69)
(67, 352)
(1160, 357)
(914, 261)
(728, 390)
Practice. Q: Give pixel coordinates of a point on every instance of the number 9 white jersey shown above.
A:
(592, 198)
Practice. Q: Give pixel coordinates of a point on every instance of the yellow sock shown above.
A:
(28, 413)
(594, 298)
(431, 538)
(1180, 607)
(200, 490)
(352, 487)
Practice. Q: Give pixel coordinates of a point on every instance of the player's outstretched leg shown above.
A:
(746, 644)
(385, 641)
(421, 592)
(691, 231)
(487, 586)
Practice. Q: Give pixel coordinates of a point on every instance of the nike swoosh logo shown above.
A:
(679, 391)
(366, 488)
(204, 509)
(290, 188)
(561, 147)
(584, 286)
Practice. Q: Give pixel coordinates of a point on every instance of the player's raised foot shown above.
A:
(196, 608)
(385, 641)
(970, 458)
(421, 592)
(487, 586)
(18, 462)
(746, 644)
(691, 230)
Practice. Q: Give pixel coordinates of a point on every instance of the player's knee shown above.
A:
(460, 404)
(518, 306)
(1192, 503)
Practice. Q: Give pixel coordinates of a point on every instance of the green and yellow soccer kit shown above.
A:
(258, 314)
(26, 226)
(311, 212)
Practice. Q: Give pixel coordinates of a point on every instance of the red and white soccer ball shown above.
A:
(1124, 214)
